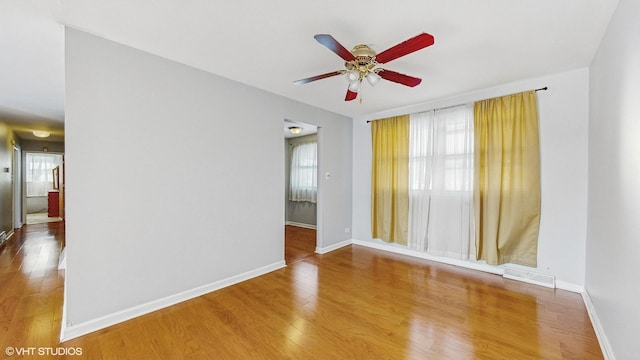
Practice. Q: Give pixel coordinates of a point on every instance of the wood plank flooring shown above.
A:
(299, 243)
(352, 303)
(31, 288)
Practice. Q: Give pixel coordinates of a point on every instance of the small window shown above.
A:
(303, 185)
(39, 173)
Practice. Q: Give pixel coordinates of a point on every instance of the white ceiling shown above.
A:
(270, 44)
(31, 67)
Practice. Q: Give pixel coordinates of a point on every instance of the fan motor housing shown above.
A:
(364, 58)
(363, 50)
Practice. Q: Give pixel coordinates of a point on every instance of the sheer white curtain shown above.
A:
(441, 182)
(39, 175)
(303, 184)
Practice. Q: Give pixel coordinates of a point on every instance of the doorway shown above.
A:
(44, 184)
(302, 189)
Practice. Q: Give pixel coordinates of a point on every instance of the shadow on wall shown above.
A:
(302, 212)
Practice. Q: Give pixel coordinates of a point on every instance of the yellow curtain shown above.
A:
(507, 179)
(390, 179)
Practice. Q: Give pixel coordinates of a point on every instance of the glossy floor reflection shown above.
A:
(352, 303)
(31, 287)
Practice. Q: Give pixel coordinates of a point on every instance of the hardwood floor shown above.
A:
(352, 303)
(31, 288)
(299, 243)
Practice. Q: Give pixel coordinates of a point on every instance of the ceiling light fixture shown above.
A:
(41, 134)
(295, 129)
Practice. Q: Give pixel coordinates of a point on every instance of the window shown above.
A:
(441, 150)
(303, 185)
(441, 182)
(39, 172)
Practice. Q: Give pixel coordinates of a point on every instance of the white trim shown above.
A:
(563, 285)
(69, 331)
(63, 322)
(559, 284)
(5, 236)
(423, 255)
(605, 345)
(336, 246)
(297, 224)
(529, 281)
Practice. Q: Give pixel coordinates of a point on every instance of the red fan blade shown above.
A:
(407, 47)
(317, 77)
(333, 45)
(350, 95)
(399, 78)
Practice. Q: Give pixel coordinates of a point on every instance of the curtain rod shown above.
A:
(454, 106)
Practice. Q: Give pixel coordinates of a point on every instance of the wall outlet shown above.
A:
(347, 230)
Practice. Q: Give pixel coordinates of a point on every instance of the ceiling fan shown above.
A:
(362, 61)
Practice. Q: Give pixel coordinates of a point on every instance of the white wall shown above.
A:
(563, 121)
(613, 241)
(37, 204)
(175, 181)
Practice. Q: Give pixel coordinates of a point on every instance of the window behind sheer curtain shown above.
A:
(303, 185)
(441, 182)
(39, 172)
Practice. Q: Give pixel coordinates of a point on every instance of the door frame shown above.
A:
(24, 179)
(17, 219)
(319, 181)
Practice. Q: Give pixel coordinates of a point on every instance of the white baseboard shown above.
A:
(326, 249)
(563, 285)
(6, 236)
(63, 323)
(69, 332)
(605, 345)
(423, 255)
(306, 226)
(498, 270)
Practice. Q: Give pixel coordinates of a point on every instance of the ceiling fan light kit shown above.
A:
(362, 63)
(373, 78)
(354, 86)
